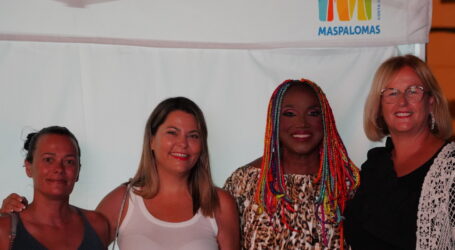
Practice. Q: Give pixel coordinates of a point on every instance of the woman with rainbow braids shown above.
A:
(293, 197)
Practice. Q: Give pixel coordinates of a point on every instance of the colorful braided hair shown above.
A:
(338, 177)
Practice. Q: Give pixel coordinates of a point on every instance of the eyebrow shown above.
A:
(413, 85)
(292, 106)
(48, 153)
(192, 131)
(54, 154)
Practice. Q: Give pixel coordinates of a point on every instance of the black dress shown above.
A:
(383, 213)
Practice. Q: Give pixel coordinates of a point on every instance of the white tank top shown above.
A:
(140, 230)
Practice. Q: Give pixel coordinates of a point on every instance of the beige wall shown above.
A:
(441, 50)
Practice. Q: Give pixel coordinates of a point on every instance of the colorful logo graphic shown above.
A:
(345, 10)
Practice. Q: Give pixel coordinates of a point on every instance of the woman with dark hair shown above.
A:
(172, 203)
(407, 196)
(50, 222)
(293, 196)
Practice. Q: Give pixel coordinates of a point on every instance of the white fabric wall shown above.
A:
(99, 67)
(104, 94)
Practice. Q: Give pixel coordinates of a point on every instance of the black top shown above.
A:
(383, 213)
(25, 241)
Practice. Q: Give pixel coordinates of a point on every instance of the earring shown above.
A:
(433, 122)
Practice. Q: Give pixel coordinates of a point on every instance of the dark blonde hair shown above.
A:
(200, 183)
(373, 122)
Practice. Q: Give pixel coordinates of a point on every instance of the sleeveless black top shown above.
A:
(24, 240)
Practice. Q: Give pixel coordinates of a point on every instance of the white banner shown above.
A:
(244, 24)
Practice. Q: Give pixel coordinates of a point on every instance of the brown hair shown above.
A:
(373, 122)
(200, 183)
(32, 140)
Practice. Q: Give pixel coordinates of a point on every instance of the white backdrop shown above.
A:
(105, 93)
(73, 63)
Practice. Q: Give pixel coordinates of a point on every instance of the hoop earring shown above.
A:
(432, 122)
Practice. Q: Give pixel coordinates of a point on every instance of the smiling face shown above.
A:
(177, 143)
(404, 116)
(55, 166)
(301, 129)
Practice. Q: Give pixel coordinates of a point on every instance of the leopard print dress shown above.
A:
(259, 231)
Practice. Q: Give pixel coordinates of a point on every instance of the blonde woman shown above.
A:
(406, 197)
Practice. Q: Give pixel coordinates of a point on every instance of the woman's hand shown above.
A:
(13, 203)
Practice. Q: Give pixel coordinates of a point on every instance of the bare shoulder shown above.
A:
(113, 198)
(95, 217)
(256, 163)
(110, 207)
(5, 231)
(228, 207)
(230, 183)
(225, 198)
(99, 223)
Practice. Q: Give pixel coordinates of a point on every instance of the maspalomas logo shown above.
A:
(351, 12)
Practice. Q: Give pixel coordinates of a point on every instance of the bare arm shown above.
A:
(5, 231)
(227, 218)
(109, 207)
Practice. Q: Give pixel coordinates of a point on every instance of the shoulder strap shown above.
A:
(122, 206)
(82, 215)
(14, 220)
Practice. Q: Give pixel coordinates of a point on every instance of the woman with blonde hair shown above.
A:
(406, 199)
(172, 202)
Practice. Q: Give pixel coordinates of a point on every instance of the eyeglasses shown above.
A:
(413, 94)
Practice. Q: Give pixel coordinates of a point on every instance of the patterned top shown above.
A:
(436, 214)
(259, 231)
